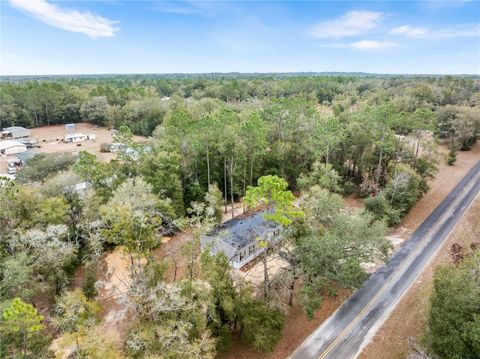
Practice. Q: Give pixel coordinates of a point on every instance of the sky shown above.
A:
(46, 37)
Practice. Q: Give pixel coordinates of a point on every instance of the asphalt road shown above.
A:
(349, 329)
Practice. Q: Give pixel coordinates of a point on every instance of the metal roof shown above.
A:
(15, 128)
(9, 144)
(25, 156)
(75, 135)
(243, 230)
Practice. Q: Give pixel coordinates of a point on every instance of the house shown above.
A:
(238, 238)
(15, 132)
(78, 137)
(11, 147)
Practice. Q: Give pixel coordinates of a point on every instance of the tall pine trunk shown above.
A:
(379, 166)
(265, 273)
(244, 183)
(225, 202)
(251, 171)
(208, 165)
(416, 153)
(231, 170)
(231, 196)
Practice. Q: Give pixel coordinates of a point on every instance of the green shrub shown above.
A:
(261, 326)
(349, 188)
(89, 286)
(323, 175)
(382, 209)
(452, 156)
(399, 195)
(453, 322)
(22, 332)
(41, 166)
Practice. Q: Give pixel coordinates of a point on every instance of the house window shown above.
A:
(242, 255)
(251, 249)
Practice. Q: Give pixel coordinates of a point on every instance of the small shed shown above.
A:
(11, 147)
(17, 132)
(237, 238)
(70, 127)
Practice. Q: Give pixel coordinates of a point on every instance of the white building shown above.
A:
(11, 147)
(16, 132)
(78, 137)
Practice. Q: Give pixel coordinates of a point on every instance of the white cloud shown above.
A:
(458, 31)
(177, 8)
(70, 20)
(193, 7)
(464, 30)
(350, 24)
(409, 31)
(362, 45)
(371, 45)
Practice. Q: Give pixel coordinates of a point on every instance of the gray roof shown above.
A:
(243, 230)
(25, 156)
(15, 128)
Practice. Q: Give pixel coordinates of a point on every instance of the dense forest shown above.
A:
(212, 141)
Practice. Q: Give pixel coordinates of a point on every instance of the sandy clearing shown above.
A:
(49, 139)
(114, 276)
(255, 273)
(111, 287)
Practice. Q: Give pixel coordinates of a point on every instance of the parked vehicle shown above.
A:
(12, 167)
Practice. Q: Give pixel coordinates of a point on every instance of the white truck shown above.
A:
(12, 167)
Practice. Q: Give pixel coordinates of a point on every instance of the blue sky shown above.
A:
(112, 36)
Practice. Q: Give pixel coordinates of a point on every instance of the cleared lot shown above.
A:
(49, 139)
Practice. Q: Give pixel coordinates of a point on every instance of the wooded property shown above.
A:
(238, 179)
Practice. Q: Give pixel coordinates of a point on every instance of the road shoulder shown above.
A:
(409, 316)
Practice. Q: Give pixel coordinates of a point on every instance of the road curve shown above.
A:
(349, 329)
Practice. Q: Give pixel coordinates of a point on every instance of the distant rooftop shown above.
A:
(14, 128)
(241, 231)
(10, 143)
